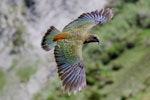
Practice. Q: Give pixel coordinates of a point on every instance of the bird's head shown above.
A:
(92, 38)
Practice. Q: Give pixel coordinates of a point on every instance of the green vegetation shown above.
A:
(25, 73)
(2, 80)
(18, 40)
(14, 64)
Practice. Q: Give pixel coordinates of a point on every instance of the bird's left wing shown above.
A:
(88, 20)
(70, 65)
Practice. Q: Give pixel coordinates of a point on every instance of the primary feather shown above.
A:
(88, 20)
(68, 47)
(70, 65)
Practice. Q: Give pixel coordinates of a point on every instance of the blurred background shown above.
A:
(116, 69)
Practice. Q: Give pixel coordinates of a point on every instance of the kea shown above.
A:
(68, 45)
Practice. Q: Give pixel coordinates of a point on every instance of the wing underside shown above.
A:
(88, 20)
(70, 66)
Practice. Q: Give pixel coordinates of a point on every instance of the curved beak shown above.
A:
(92, 38)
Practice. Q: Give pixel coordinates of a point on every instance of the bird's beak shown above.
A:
(92, 38)
(98, 41)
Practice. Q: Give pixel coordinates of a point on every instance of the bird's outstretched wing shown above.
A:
(88, 20)
(70, 65)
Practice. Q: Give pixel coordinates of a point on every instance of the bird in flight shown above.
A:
(68, 45)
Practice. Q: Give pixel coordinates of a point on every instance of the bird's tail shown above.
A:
(47, 41)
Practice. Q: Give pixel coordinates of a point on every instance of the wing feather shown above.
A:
(70, 65)
(88, 20)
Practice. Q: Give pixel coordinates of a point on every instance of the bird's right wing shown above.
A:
(70, 65)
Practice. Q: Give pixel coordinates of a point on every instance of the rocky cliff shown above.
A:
(25, 68)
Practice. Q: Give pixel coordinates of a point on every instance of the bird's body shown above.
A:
(68, 47)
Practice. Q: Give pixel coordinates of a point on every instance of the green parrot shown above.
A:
(68, 46)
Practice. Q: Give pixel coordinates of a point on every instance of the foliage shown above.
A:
(2, 80)
(25, 73)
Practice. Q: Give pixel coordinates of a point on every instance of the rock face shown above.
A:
(22, 25)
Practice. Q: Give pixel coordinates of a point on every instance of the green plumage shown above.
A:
(70, 50)
(47, 41)
(70, 65)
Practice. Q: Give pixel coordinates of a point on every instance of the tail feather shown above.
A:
(47, 41)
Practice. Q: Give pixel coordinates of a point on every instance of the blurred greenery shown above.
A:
(25, 73)
(2, 80)
(14, 64)
(18, 40)
(118, 68)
